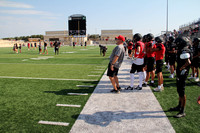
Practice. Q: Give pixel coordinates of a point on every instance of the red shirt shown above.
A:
(148, 52)
(141, 54)
(160, 54)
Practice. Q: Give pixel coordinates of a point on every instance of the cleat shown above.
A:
(138, 88)
(115, 91)
(144, 85)
(179, 115)
(129, 88)
(157, 90)
(119, 88)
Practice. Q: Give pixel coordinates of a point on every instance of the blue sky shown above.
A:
(28, 17)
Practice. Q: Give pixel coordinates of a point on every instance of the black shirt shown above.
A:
(181, 62)
(172, 47)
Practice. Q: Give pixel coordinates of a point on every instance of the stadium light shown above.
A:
(167, 19)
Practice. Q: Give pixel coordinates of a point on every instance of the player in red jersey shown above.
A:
(137, 62)
(159, 54)
(150, 60)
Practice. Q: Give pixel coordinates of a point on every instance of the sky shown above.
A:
(31, 17)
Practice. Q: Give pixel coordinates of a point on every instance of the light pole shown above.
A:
(167, 19)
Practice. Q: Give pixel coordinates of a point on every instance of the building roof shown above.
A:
(77, 15)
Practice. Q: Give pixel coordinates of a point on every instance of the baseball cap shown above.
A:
(120, 37)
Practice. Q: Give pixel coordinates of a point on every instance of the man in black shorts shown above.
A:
(172, 55)
(116, 60)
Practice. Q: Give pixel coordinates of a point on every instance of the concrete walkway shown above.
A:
(128, 112)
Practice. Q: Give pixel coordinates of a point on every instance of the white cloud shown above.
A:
(4, 3)
(25, 12)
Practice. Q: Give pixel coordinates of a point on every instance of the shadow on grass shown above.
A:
(65, 91)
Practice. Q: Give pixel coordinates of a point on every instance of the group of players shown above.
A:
(55, 44)
(147, 54)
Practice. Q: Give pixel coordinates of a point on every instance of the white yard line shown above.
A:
(46, 64)
(83, 94)
(85, 86)
(96, 72)
(94, 75)
(46, 78)
(53, 123)
(68, 105)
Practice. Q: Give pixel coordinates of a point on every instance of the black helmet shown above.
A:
(137, 37)
(181, 42)
(150, 37)
(144, 38)
(158, 40)
(171, 39)
(196, 40)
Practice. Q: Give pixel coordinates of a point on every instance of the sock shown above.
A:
(132, 79)
(159, 87)
(152, 81)
(140, 78)
(144, 75)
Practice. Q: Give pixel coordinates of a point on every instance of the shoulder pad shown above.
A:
(185, 55)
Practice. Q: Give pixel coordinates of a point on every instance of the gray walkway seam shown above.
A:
(127, 112)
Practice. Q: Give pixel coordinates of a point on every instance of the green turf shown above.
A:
(24, 102)
(169, 98)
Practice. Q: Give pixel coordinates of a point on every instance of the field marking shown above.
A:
(42, 58)
(25, 60)
(53, 123)
(68, 52)
(68, 105)
(83, 94)
(96, 72)
(94, 75)
(46, 78)
(85, 86)
(46, 64)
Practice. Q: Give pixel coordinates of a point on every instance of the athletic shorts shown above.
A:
(150, 64)
(159, 65)
(111, 73)
(180, 83)
(138, 68)
(129, 51)
(145, 61)
(172, 60)
(195, 63)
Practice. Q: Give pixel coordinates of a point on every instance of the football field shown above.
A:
(31, 85)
